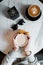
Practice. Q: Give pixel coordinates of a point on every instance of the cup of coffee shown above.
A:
(33, 12)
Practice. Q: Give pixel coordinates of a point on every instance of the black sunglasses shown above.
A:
(15, 26)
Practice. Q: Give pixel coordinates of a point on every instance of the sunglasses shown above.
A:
(15, 26)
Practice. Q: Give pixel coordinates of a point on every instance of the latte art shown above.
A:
(34, 10)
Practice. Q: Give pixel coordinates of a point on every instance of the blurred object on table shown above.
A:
(40, 55)
(1, 0)
(41, 1)
(13, 13)
(2, 55)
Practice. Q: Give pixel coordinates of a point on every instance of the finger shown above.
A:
(16, 47)
(27, 53)
(28, 36)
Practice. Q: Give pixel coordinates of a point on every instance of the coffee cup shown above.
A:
(33, 12)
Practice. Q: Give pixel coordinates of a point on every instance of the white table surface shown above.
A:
(34, 27)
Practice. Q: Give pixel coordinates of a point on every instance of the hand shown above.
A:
(26, 48)
(25, 44)
(8, 36)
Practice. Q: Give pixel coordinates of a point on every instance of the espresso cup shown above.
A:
(33, 12)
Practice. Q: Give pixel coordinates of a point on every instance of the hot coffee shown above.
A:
(33, 12)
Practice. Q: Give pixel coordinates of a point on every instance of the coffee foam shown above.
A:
(21, 40)
(34, 10)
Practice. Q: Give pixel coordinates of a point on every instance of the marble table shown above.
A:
(34, 27)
